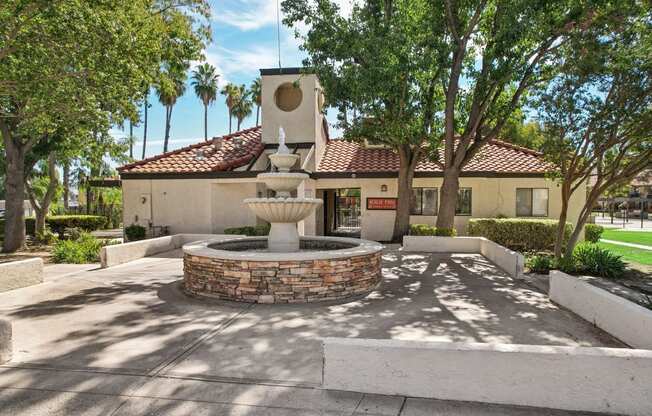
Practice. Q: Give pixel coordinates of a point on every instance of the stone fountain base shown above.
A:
(240, 269)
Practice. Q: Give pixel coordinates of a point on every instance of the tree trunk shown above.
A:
(239, 123)
(131, 140)
(448, 204)
(14, 238)
(230, 120)
(145, 125)
(404, 202)
(563, 216)
(41, 208)
(168, 117)
(205, 123)
(582, 219)
(257, 114)
(66, 185)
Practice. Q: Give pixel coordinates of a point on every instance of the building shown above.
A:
(200, 188)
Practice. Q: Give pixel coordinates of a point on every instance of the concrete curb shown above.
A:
(625, 320)
(610, 380)
(5, 341)
(22, 273)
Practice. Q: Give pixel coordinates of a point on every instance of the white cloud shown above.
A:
(245, 14)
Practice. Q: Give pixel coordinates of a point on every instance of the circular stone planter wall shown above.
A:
(263, 277)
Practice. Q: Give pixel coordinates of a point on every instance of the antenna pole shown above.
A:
(278, 31)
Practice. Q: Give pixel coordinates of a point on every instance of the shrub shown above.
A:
(518, 234)
(59, 223)
(566, 265)
(47, 237)
(84, 250)
(425, 229)
(249, 230)
(135, 232)
(540, 263)
(592, 259)
(592, 232)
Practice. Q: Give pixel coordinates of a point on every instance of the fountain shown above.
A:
(284, 267)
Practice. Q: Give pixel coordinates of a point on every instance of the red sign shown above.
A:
(381, 203)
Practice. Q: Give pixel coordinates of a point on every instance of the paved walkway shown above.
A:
(126, 341)
(622, 243)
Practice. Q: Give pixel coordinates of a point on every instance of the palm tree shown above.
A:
(171, 86)
(243, 108)
(256, 91)
(145, 107)
(232, 94)
(204, 79)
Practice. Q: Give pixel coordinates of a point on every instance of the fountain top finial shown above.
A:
(282, 148)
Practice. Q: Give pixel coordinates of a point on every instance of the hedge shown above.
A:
(425, 229)
(518, 234)
(250, 231)
(592, 232)
(59, 223)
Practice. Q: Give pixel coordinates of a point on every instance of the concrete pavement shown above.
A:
(126, 340)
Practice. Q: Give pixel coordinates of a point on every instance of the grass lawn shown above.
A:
(630, 254)
(635, 237)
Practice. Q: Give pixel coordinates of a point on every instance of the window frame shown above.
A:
(531, 215)
(459, 214)
(421, 214)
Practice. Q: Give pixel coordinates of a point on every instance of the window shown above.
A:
(424, 201)
(531, 202)
(463, 202)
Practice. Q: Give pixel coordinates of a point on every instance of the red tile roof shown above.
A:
(238, 149)
(496, 157)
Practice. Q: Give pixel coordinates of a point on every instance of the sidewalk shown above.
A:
(620, 243)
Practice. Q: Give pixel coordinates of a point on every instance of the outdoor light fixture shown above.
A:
(383, 188)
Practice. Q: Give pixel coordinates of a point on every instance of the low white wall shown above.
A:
(124, 253)
(625, 320)
(508, 260)
(570, 378)
(17, 274)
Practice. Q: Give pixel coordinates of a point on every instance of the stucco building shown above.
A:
(200, 188)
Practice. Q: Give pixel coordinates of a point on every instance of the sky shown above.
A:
(244, 41)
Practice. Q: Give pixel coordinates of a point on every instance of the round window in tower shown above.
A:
(288, 97)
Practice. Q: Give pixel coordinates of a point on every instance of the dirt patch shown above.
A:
(30, 252)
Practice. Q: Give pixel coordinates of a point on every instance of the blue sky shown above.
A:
(244, 40)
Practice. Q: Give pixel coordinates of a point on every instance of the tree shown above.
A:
(204, 80)
(231, 92)
(256, 91)
(171, 86)
(244, 106)
(598, 114)
(68, 60)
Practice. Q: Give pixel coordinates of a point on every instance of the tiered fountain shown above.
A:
(284, 267)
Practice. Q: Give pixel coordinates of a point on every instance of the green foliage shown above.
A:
(518, 234)
(135, 232)
(59, 223)
(86, 249)
(594, 260)
(425, 229)
(566, 265)
(540, 263)
(592, 232)
(250, 231)
(47, 237)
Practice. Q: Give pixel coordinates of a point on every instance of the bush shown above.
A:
(84, 250)
(592, 232)
(540, 263)
(249, 231)
(425, 229)
(59, 223)
(518, 234)
(47, 237)
(594, 260)
(135, 232)
(566, 265)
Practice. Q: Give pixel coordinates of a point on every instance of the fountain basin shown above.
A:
(289, 210)
(242, 269)
(282, 181)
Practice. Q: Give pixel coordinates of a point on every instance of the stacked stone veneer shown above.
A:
(281, 281)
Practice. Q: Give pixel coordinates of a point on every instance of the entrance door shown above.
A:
(343, 213)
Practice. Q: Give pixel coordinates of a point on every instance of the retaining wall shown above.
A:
(569, 378)
(625, 320)
(22, 273)
(5, 341)
(124, 253)
(508, 260)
